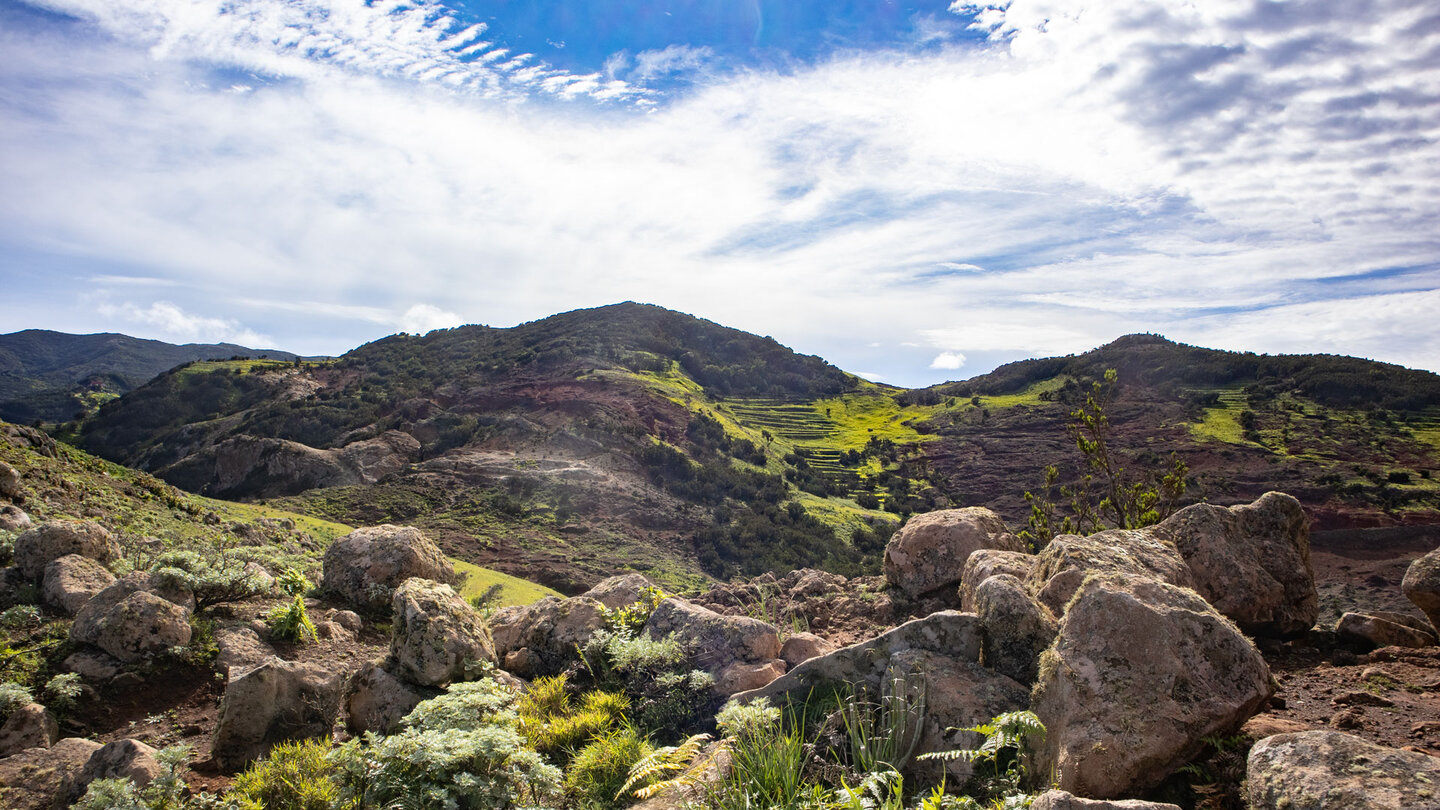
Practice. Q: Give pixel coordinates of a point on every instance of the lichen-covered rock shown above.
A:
(92, 665)
(1016, 628)
(619, 591)
(539, 639)
(13, 518)
(1382, 629)
(801, 647)
(1060, 800)
(366, 566)
(274, 702)
(241, 648)
(54, 539)
(73, 580)
(986, 563)
(1328, 770)
(38, 778)
(121, 759)
(715, 640)
(1422, 586)
(931, 549)
(437, 637)
(9, 482)
(1141, 672)
(1068, 559)
(377, 701)
(30, 726)
(129, 622)
(1252, 562)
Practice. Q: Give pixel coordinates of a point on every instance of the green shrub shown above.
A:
(630, 619)
(767, 766)
(292, 583)
(12, 697)
(62, 690)
(556, 728)
(601, 768)
(21, 617)
(883, 733)
(167, 791)
(213, 579)
(293, 776)
(291, 623)
(667, 697)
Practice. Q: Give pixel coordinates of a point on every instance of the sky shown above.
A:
(915, 191)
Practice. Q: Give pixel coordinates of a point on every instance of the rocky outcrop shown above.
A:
(73, 580)
(378, 458)
(129, 621)
(986, 563)
(38, 778)
(618, 591)
(1060, 800)
(716, 641)
(540, 639)
(1335, 771)
(30, 726)
(54, 539)
(1252, 562)
(1422, 586)
(250, 465)
(1383, 629)
(1141, 671)
(1015, 628)
(364, 567)
(930, 550)
(437, 637)
(241, 648)
(376, 700)
(29, 438)
(274, 702)
(1068, 559)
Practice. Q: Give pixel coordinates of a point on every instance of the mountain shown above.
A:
(634, 437)
(53, 376)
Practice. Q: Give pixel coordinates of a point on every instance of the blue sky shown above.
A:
(915, 191)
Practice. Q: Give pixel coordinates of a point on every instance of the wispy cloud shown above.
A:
(179, 326)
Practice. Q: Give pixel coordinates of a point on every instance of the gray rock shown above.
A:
(930, 550)
(38, 778)
(13, 518)
(348, 619)
(1016, 628)
(274, 702)
(1141, 672)
(437, 637)
(30, 726)
(129, 622)
(1060, 800)
(122, 759)
(715, 640)
(377, 701)
(1379, 630)
(240, 649)
(986, 563)
(9, 482)
(539, 639)
(92, 666)
(366, 566)
(54, 539)
(1067, 560)
(619, 591)
(73, 580)
(1422, 586)
(1328, 770)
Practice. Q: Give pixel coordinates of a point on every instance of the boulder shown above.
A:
(122, 759)
(437, 637)
(800, 647)
(986, 563)
(348, 619)
(129, 622)
(377, 701)
(9, 482)
(13, 518)
(743, 677)
(1140, 673)
(931, 549)
(1335, 771)
(1382, 629)
(715, 640)
(618, 591)
(241, 648)
(1060, 800)
(539, 639)
(92, 665)
(1422, 586)
(1068, 559)
(54, 539)
(1252, 562)
(30, 726)
(38, 778)
(1015, 627)
(366, 566)
(274, 702)
(73, 580)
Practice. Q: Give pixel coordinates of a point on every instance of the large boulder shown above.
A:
(129, 621)
(54, 539)
(1068, 559)
(801, 647)
(272, 703)
(13, 518)
(540, 639)
(1141, 673)
(240, 648)
(73, 580)
(437, 637)
(1016, 628)
(39, 778)
(121, 759)
(376, 700)
(366, 566)
(986, 563)
(1422, 586)
(1328, 770)
(931, 549)
(1252, 562)
(1060, 800)
(618, 591)
(1383, 629)
(715, 640)
(29, 726)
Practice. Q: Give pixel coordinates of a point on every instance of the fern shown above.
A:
(1006, 736)
(671, 759)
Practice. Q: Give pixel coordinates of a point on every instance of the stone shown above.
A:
(54, 539)
(1267, 725)
(348, 619)
(274, 702)
(377, 701)
(332, 631)
(539, 639)
(92, 666)
(130, 622)
(986, 563)
(37, 778)
(13, 518)
(1060, 800)
(29, 726)
(121, 759)
(9, 482)
(436, 637)
(742, 677)
(1422, 586)
(1329, 770)
(1016, 628)
(618, 591)
(716, 641)
(1252, 562)
(366, 566)
(71, 581)
(1371, 630)
(1350, 718)
(800, 647)
(1141, 672)
(240, 649)
(930, 550)
(1068, 559)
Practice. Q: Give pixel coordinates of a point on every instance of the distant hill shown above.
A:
(55, 376)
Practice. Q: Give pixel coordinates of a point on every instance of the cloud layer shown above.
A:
(1247, 175)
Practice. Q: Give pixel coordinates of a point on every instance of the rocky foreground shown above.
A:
(1136, 649)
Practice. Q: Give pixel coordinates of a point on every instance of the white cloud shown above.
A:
(653, 64)
(870, 375)
(422, 318)
(176, 325)
(948, 361)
